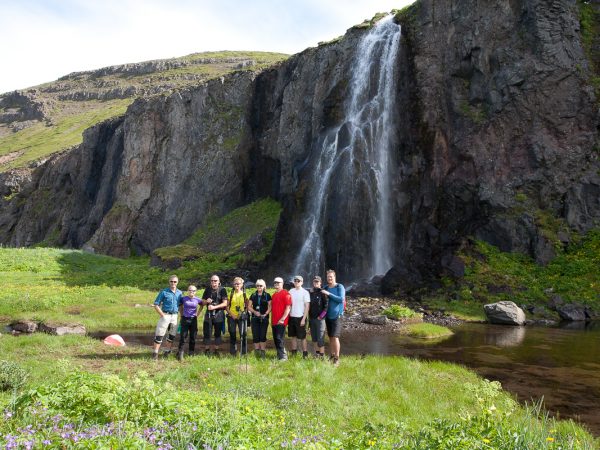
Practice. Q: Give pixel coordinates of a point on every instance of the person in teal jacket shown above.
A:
(336, 296)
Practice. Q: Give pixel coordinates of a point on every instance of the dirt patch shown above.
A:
(5, 159)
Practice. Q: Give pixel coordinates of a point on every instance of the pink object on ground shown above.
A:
(114, 339)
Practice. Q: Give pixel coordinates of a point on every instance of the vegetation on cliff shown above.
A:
(243, 237)
(492, 275)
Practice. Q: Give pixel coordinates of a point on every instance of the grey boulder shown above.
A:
(504, 313)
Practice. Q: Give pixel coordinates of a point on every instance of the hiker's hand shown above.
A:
(302, 322)
(324, 292)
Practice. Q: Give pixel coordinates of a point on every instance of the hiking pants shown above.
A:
(278, 339)
(234, 325)
(189, 326)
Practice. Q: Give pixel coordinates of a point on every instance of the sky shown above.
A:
(43, 40)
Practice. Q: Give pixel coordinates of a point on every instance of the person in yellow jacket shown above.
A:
(237, 317)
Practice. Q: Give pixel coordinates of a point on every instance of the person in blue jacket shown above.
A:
(336, 296)
(167, 307)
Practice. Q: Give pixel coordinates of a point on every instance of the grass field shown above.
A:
(83, 394)
(80, 393)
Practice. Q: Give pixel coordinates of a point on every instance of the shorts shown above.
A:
(317, 331)
(334, 327)
(295, 329)
(168, 322)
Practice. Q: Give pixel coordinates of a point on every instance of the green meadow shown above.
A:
(75, 392)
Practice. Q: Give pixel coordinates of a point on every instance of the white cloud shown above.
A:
(45, 39)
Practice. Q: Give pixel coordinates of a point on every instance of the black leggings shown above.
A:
(259, 329)
(189, 325)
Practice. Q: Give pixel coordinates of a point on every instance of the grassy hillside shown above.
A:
(243, 236)
(101, 292)
(79, 100)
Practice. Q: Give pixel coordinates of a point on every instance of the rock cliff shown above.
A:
(497, 120)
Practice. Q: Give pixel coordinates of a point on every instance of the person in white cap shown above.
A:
(298, 316)
(281, 303)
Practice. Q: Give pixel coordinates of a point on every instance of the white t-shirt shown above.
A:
(300, 297)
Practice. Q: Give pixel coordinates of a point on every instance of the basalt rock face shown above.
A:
(505, 113)
(495, 120)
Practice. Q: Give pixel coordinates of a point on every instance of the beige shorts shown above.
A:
(163, 325)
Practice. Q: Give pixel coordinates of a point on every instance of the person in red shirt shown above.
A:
(281, 304)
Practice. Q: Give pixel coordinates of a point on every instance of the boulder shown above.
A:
(366, 288)
(504, 313)
(571, 312)
(375, 320)
(62, 329)
(555, 302)
(24, 326)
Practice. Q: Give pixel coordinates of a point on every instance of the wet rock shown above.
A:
(366, 288)
(555, 302)
(453, 265)
(375, 320)
(538, 311)
(62, 329)
(504, 313)
(24, 326)
(572, 312)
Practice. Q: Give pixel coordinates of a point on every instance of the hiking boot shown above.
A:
(263, 354)
(336, 362)
(304, 355)
(155, 356)
(207, 352)
(180, 356)
(166, 353)
(293, 353)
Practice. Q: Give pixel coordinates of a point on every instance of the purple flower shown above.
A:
(46, 442)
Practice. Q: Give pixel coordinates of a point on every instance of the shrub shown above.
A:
(12, 376)
(397, 312)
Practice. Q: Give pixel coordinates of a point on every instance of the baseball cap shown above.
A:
(317, 278)
(298, 277)
(278, 280)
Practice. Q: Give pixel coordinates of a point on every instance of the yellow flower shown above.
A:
(550, 439)
(487, 441)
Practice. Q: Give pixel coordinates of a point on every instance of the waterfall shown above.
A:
(355, 160)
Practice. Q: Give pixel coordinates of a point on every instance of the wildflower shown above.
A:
(7, 414)
(550, 439)
(487, 441)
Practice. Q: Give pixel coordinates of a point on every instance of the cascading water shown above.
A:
(355, 161)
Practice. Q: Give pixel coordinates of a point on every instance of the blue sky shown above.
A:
(45, 39)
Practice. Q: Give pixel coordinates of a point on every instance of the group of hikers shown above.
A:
(319, 309)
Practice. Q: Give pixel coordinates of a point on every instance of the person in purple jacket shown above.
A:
(336, 295)
(189, 308)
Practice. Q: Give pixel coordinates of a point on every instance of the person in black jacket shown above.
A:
(316, 314)
(215, 300)
(259, 307)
